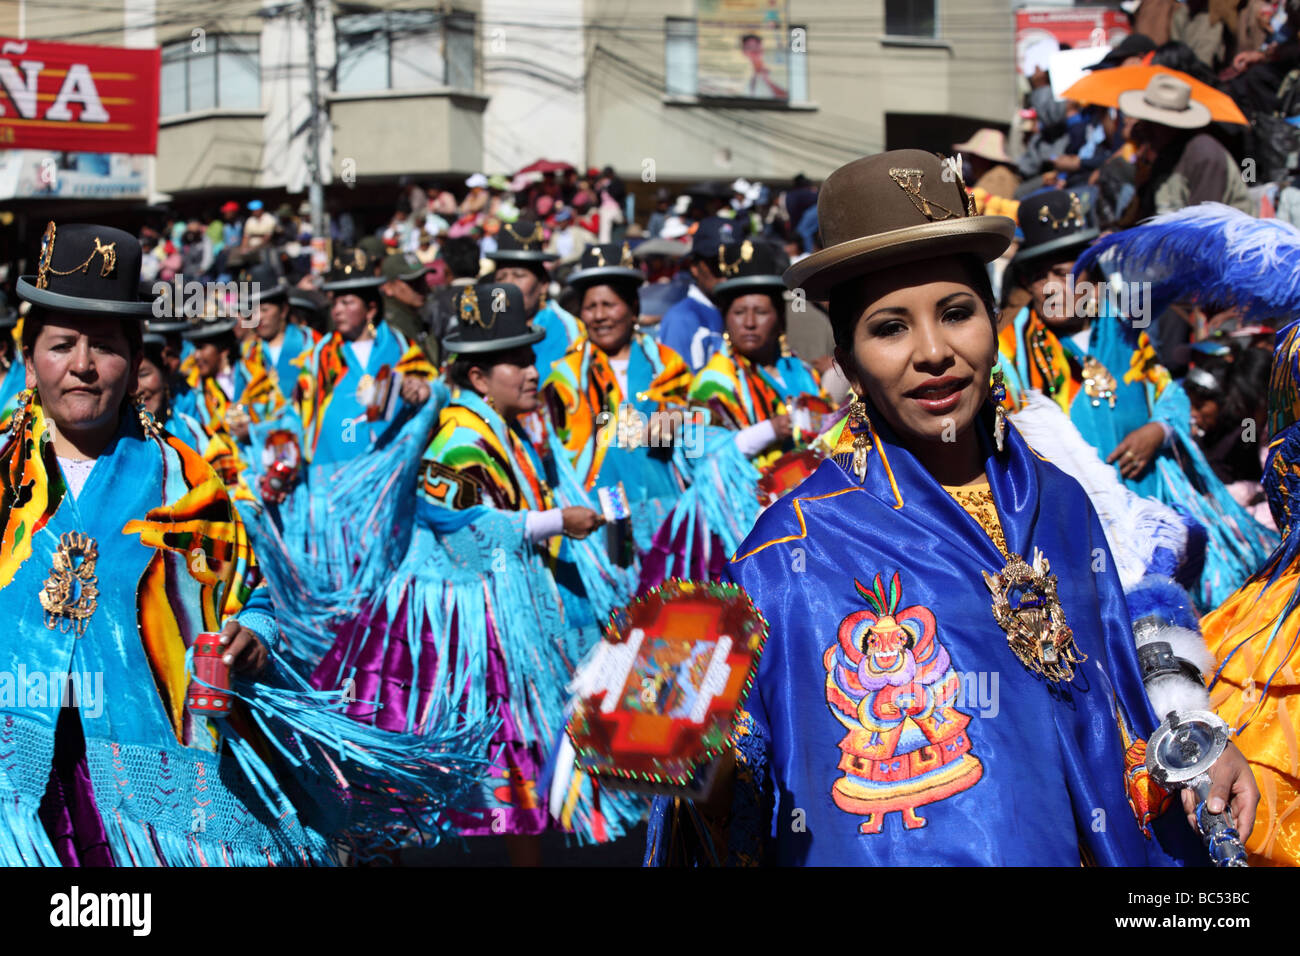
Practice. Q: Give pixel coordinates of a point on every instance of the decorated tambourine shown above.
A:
(657, 702)
(281, 463)
(810, 416)
(788, 472)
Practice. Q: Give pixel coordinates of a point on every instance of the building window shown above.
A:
(798, 64)
(911, 18)
(679, 58)
(786, 63)
(225, 74)
(404, 50)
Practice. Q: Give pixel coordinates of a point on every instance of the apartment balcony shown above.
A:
(210, 149)
(396, 132)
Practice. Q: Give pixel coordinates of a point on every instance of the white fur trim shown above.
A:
(1175, 692)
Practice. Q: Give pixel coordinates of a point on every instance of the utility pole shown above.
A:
(315, 192)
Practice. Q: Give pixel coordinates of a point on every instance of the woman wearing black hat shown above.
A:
(934, 547)
(520, 260)
(279, 348)
(348, 396)
(499, 569)
(178, 358)
(225, 392)
(1087, 350)
(606, 395)
(754, 384)
(120, 548)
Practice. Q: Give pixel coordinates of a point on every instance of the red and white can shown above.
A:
(215, 699)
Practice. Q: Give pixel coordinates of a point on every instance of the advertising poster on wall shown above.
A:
(743, 48)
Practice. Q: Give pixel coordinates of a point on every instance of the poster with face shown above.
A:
(743, 48)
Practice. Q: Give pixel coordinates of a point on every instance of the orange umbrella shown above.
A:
(1103, 87)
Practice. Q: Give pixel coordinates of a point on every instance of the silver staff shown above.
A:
(1180, 754)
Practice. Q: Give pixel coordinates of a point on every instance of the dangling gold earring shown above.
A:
(22, 405)
(726, 341)
(785, 346)
(860, 424)
(491, 403)
(998, 395)
(147, 422)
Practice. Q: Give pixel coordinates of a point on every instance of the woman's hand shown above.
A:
(245, 652)
(1137, 449)
(783, 426)
(580, 522)
(415, 391)
(1232, 786)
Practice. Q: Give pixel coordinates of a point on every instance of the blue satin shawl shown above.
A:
(1048, 786)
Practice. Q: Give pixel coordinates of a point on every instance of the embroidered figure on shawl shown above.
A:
(892, 685)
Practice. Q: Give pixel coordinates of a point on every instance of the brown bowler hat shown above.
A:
(895, 207)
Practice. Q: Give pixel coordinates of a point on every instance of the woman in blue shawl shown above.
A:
(950, 676)
(119, 546)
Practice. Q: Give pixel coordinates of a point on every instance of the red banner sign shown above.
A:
(88, 99)
(1075, 27)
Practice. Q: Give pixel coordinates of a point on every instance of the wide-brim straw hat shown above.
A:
(1166, 100)
(990, 144)
(902, 206)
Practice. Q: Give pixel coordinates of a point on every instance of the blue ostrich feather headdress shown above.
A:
(1208, 253)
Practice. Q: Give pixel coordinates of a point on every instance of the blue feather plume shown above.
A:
(1210, 253)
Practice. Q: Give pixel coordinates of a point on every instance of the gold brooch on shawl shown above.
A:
(1025, 605)
(70, 594)
(1098, 384)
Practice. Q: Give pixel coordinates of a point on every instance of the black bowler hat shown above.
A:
(308, 299)
(1055, 223)
(712, 233)
(748, 266)
(87, 270)
(153, 347)
(352, 271)
(270, 285)
(491, 318)
(521, 241)
(610, 262)
(203, 329)
(166, 326)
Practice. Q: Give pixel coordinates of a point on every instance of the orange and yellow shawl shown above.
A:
(582, 386)
(328, 367)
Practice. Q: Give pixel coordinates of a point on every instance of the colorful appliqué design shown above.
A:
(892, 685)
